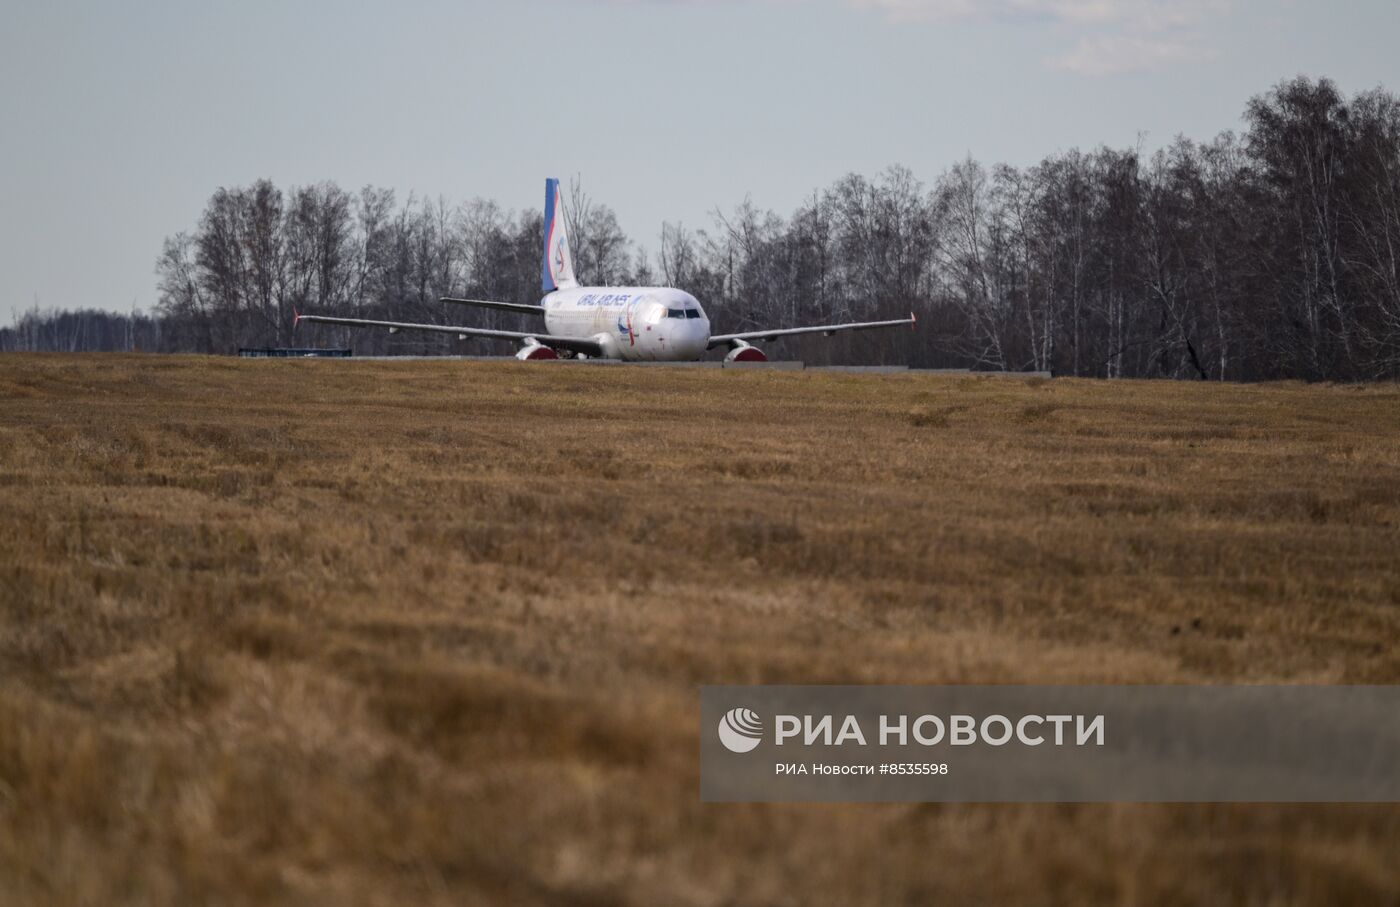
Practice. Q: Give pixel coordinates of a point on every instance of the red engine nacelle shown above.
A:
(535, 352)
(746, 353)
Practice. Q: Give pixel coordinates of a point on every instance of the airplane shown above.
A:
(634, 324)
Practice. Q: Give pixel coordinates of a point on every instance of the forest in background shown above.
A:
(1270, 253)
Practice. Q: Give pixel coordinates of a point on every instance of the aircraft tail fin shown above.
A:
(558, 270)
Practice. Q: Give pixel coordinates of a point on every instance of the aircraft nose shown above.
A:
(691, 339)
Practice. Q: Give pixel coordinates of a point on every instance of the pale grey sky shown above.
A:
(117, 121)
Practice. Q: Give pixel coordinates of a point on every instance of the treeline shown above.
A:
(83, 330)
(1269, 254)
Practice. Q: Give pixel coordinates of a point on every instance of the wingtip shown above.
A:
(913, 321)
(296, 317)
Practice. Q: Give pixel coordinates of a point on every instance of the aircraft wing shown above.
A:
(828, 329)
(583, 345)
(501, 306)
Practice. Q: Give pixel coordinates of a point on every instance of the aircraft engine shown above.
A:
(742, 352)
(534, 351)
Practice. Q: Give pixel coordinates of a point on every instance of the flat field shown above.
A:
(430, 632)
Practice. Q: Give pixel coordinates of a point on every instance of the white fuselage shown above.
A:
(632, 323)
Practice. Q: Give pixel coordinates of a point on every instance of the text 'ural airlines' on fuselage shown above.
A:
(652, 324)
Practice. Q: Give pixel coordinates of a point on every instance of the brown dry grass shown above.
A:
(387, 633)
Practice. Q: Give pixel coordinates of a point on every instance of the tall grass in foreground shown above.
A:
(386, 633)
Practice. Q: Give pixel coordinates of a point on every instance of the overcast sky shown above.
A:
(117, 121)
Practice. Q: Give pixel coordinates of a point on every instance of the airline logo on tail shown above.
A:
(558, 271)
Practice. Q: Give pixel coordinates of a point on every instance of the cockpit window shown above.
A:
(675, 313)
(692, 313)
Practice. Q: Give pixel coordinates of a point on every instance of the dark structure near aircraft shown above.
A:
(292, 353)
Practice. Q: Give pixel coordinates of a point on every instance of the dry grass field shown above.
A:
(430, 632)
